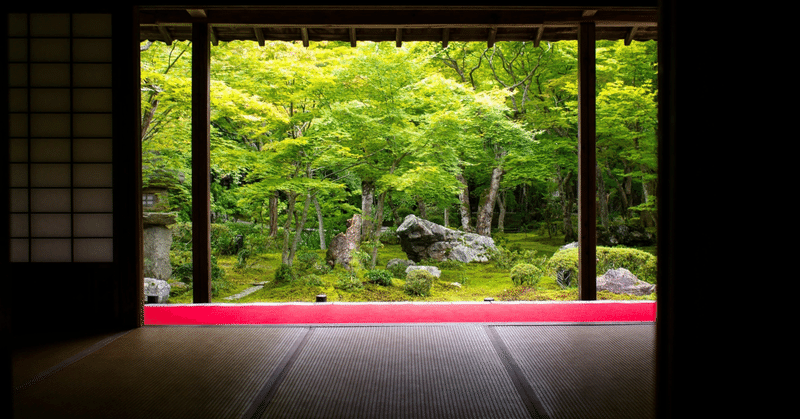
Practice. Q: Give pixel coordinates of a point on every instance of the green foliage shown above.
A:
(419, 282)
(347, 281)
(564, 263)
(309, 262)
(284, 274)
(379, 276)
(526, 274)
(398, 270)
(389, 237)
(507, 258)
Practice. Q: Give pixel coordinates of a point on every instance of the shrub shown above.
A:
(398, 270)
(504, 258)
(348, 281)
(313, 280)
(284, 274)
(564, 263)
(419, 282)
(379, 276)
(307, 261)
(526, 274)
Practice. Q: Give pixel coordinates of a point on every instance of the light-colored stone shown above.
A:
(423, 239)
(156, 288)
(622, 281)
(431, 269)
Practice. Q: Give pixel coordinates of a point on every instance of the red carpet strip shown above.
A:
(378, 313)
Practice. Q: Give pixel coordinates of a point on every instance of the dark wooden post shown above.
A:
(201, 164)
(587, 163)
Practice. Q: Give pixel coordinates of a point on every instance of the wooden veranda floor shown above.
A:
(447, 370)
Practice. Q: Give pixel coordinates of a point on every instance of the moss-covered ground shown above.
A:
(476, 281)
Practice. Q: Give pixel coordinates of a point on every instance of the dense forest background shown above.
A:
(476, 138)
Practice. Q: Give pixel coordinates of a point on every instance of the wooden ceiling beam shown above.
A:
(259, 36)
(630, 35)
(539, 34)
(165, 33)
(213, 34)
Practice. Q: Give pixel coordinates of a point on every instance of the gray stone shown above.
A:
(402, 262)
(159, 218)
(156, 288)
(572, 245)
(622, 281)
(423, 239)
(157, 241)
(431, 269)
(343, 244)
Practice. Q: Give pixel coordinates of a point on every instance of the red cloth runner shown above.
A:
(468, 312)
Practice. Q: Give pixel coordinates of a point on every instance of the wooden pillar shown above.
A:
(201, 163)
(587, 163)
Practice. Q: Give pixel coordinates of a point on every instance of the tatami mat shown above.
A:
(351, 371)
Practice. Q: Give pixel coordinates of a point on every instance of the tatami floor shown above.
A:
(453, 370)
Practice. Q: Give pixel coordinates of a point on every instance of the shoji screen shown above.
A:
(60, 137)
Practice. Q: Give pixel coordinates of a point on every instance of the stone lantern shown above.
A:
(156, 222)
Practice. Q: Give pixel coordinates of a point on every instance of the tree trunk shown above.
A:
(298, 230)
(487, 203)
(147, 118)
(290, 200)
(273, 214)
(622, 195)
(464, 209)
(423, 209)
(603, 198)
(376, 232)
(446, 217)
(649, 190)
(564, 191)
(367, 201)
(501, 217)
(321, 223)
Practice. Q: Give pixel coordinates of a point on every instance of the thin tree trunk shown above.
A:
(501, 217)
(375, 237)
(487, 203)
(603, 198)
(423, 209)
(648, 188)
(290, 201)
(622, 195)
(321, 223)
(446, 217)
(298, 230)
(464, 209)
(273, 214)
(566, 206)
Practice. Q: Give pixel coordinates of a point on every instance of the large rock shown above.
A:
(622, 281)
(343, 244)
(423, 239)
(156, 288)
